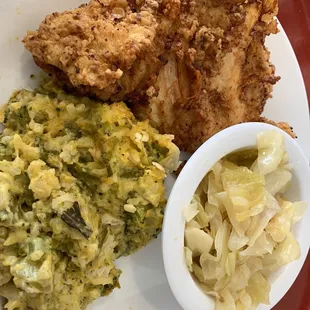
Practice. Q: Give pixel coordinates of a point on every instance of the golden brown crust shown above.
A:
(106, 47)
(193, 67)
(282, 125)
(218, 72)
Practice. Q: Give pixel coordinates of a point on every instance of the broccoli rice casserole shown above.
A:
(81, 183)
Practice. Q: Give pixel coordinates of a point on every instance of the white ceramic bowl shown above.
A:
(236, 137)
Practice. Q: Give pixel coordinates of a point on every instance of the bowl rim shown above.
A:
(187, 293)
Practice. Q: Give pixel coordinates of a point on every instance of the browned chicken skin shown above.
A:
(191, 67)
(106, 48)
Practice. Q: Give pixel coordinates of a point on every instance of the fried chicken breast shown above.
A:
(105, 49)
(218, 76)
(192, 67)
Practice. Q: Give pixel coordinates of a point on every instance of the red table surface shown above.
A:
(294, 16)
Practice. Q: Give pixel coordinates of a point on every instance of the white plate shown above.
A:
(144, 285)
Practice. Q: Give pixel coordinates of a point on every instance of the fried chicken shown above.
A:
(104, 49)
(192, 67)
(219, 77)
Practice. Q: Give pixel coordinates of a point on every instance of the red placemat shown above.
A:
(294, 16)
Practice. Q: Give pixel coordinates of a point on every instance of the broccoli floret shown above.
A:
(142, 226)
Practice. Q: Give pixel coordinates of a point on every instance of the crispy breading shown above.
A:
(104, 48)
(220, 74)
(282, 125)
(193, 67)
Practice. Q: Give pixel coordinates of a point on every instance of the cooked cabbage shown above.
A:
(188, 258)
(198, 241)
(245, 189)
(258, 288)
(190, 211)
(226, 301)
(271, 150)
(277, 181)
(236, 242)
(260, 222)
(284, 253)
(240, 226)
